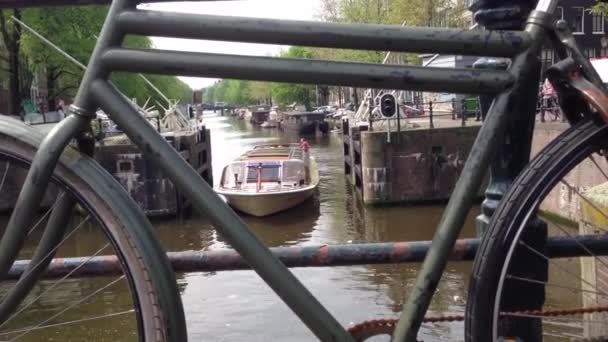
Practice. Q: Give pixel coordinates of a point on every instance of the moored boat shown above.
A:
(306, 123)
(259, 115)
(269, 179)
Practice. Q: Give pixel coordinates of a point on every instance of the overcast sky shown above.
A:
(279, 9)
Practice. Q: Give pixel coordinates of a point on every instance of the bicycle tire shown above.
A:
(508, 221)
(152, 283)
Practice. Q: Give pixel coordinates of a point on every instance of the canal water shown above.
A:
(238, 306)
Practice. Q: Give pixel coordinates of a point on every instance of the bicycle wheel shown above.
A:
(564, 185)
(136, 296)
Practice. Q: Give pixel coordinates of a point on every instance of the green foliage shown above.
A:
(74, 30)
(288, 93)
(238, 92)
(413, 12)
(600, 8)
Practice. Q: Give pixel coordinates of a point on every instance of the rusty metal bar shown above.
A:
(306, 71)
(325, 34)
(47, 3)
(313, 256)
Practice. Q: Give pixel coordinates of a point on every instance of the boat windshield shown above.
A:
(268, 173)
(233, 175)
(294, 173)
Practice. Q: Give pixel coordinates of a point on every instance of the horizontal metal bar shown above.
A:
(47, 3)
(313, 256)
(324, 34)
(363, 75)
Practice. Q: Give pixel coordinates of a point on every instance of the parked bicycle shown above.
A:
(505, 299)
(548, 109)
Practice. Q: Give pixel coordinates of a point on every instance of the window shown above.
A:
(590, 53)
(578, 20)
(268, 173)
(597, 23)
(233, 175)
(125, 166)
(603, 52)
(294, 173)
(559, 13)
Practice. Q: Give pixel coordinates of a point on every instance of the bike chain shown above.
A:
(367, 329)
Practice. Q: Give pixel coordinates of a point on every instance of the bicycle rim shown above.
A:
(560, 186)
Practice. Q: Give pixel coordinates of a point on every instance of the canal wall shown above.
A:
(564, 199)
(422, 164)
(155, 194)
(147, 185)
(414, 165)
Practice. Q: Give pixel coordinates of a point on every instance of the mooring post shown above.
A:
(511, 158)
(453, 108)
(431, 126)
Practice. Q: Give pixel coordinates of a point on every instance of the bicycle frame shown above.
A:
(124, 18)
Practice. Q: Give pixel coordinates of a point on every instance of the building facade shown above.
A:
(589, 29)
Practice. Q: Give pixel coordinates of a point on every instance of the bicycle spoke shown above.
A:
(546, 283)
(8, 164)
(598, 167)
(30, 270)
(588, 201)
(552, 318)
(54, 285)
(591, 254)
(71, 306)
(88, 319)
(46, 214)
(556, 264)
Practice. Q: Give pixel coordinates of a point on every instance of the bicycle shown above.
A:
(549, 104)
(158, 314)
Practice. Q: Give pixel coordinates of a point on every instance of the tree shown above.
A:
(71, 28)
(11, 38)
(74, 30)
(286, 93)
(261, 92)
(413, 12)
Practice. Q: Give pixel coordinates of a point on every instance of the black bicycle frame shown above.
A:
(124, 18)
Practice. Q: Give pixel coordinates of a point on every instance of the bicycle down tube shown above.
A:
(124, 18)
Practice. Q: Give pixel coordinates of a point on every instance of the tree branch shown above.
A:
(3, 30)
(55, 76)
(65, 89)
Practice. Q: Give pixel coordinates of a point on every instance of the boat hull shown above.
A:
(268, 203)
(309, 128)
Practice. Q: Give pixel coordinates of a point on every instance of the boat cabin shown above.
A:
(306, 122)
(268, 168)
(260, 115)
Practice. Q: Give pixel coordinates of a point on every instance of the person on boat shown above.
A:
(304, 145)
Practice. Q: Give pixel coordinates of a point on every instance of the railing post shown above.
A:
(463, 112)
(510, 159)
(453, 108)
(431, 125)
